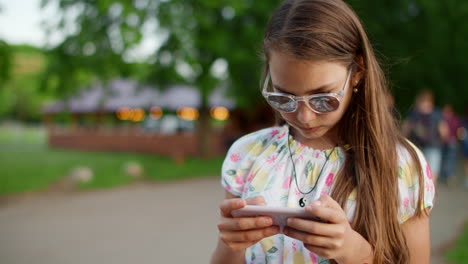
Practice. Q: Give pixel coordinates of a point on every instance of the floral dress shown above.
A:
(259, 164)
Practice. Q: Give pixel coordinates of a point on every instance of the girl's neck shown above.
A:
(327, 141)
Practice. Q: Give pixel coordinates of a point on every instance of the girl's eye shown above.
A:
(325, 103)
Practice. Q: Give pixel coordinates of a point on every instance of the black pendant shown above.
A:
(302, 202)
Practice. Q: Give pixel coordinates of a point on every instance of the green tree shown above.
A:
(203, 34)
(423, 45)
(19, 95)
(95, 49)
(5, 61)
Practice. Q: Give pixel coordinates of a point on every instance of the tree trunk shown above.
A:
(204, 133)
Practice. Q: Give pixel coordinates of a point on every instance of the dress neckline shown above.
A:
(296, 144)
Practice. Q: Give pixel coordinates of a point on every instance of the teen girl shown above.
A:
(337, 152)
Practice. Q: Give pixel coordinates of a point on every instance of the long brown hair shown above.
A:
(330, 30)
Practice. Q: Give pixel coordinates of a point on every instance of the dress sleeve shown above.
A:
(408, 183)
(238, 162)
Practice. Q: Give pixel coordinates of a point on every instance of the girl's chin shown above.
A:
(311, 133)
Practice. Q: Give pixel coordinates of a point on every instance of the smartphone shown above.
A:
(278, 214)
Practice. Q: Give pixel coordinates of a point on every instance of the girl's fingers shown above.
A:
(327, 201)
(256, 200)
(244, 223)
(321, 251)
(231, 204)
(249, 235)
(237, 246)
(316, 228)
(327, 214)
(313, 240)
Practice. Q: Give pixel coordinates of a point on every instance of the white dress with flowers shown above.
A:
(260, 164)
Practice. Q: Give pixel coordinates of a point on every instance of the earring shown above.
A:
(355, 90)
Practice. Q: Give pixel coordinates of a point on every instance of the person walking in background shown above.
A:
(426, 128)
(449, 145)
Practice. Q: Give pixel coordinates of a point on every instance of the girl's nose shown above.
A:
(304, 113)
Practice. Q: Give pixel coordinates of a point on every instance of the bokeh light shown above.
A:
(138, 115)
(219, 113)
(156, 112)
(188, 113)
(124, 113)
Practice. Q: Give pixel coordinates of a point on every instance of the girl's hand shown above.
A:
(333, 239)
(241, 233)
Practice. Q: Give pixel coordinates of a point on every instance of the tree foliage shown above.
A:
(424, 46)
(98, 35)
(5, 61)
(19, 95)
(203, 35)
(206, 33)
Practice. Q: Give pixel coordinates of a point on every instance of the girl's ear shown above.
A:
(359, 74)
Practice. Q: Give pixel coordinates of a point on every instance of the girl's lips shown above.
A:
(310, 129)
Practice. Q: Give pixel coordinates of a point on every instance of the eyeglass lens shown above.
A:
(322, 104)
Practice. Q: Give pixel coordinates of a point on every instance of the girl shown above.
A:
(337, 152)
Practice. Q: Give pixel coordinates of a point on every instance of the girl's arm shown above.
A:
(223, 254)
(416, 231)
(237, 234)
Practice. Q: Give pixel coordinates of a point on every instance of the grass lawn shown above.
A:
(28, 165)
(459, 254)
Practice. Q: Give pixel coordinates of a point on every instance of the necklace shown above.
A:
(302, 201)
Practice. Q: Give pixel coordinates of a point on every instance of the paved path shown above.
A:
(146, 223)
(447, 218)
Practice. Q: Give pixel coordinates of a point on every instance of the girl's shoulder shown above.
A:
(404, 154)
(244, 152)
(408, 163)
(409, 181)
(259, 139)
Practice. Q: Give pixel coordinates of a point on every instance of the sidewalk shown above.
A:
(148, 223)
(447, 218)
(143, 223)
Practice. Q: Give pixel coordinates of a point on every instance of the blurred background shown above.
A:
(115, 116)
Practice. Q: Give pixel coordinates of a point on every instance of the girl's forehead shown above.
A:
(284, 61)
(288, 71)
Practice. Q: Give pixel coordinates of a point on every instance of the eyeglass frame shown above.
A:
(306, 98)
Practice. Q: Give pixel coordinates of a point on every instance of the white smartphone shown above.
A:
(278, 214)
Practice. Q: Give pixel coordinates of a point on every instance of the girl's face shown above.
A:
(297, 77)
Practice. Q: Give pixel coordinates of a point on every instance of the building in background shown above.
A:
(126, 116)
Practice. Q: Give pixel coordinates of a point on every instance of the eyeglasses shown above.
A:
(319, 103)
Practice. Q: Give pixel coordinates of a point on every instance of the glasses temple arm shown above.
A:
(265, 84)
